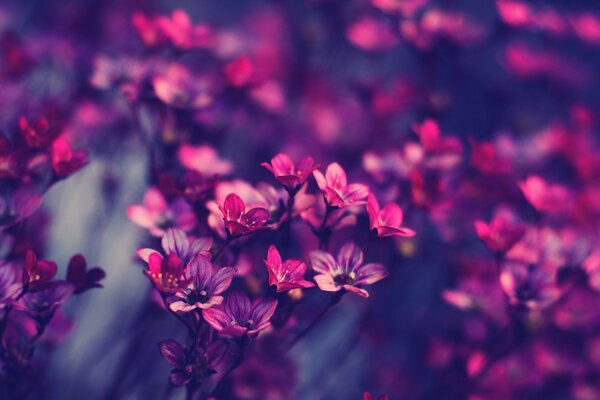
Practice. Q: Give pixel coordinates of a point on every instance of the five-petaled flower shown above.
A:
(291, 175)
(238, 220)
(238, 316)
(387, 220)
(37, 274)
(204, 283)
(347, 272)
(335, 187)
(288, 274)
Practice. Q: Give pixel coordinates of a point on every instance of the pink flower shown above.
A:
(502, 232)
(286, 275)
(237, 316)
(156, 214)
(205, 283)
(289, 174)
(388, 220)
(336, 189)
(546, 197)
(371, 34)
(203, 159)
(348, 272)
(238, 220)
(166, 273)
(35, 133)
(178, 88)
(65, 161)
(240, 71)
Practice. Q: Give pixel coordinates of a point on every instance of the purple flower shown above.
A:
(37, 273)
(237, 316)
(240, 222)
(195, 365)
(348, 272)
(9, 282)
(335, 187)
(288, 274)
(205, 283)
(43, 303)
(176, 242)
(528, 285)
(289, 174)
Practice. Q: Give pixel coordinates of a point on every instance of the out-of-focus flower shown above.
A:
(388, 220)
(238, 316)
(546, 197)
(528, 285)
(191, 366)
(403, 7)
(178, 88)
(36, 133)
(347, 272)
(369, 396)
(65, 161)
(43, 303)
(370, 34)
(238, 220)
(156, 214)
(502, 232)
(205, 283)
(335, 187)
(177, 30)
(203, 159)
(239, 72)
(289, 174)
(286, 275)
(82, 278)
(441, 152)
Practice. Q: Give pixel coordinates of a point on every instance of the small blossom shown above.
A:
(157, 215)
(546, 197)
(528, 285)
(289, 174)
(193, 366)
(336, 189)
(82, 278)
(205, 283)
(237, 316)
(35, 132)
(502, 232)
(203, 159)
(65, 161)
(238, 220)
(38, 273)
(286, 275)
(43, 303)
(166, 273)
(9, 282)
(388, 220)
(348, 272)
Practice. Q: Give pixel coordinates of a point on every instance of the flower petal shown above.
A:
(172, 352)
(322, 262)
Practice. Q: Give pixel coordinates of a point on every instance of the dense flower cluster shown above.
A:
(330, 199)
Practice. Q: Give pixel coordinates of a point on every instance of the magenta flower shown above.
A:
(37, 274)
(66, 161)
(203, 159)
(502, 232)
(205, 283)
(288, 274)
(238, 220)
(388, 220)
(167, 272)
(546, 197)
(289, 174)
(237, 316)
(348, 272)
(35, 133)
(157, 215)
(335, 187)
(195, 365)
